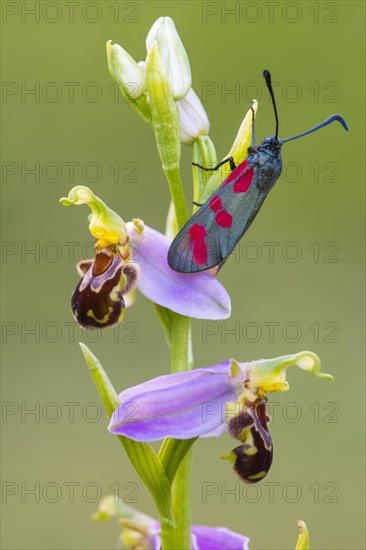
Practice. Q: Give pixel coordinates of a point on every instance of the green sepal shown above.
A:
(203, 153)
(303, 539)
(171, 224)
(165, 121)
(119, 73)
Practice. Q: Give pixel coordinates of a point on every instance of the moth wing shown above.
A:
(197, 245)
(212, 232)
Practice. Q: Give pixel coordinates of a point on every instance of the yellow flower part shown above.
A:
(243, 140)
(303, 540)
(239, 151)
(270, 375)
(104, 224)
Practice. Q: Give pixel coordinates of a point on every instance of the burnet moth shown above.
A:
(212, 233)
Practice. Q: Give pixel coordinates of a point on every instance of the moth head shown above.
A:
(272, 143)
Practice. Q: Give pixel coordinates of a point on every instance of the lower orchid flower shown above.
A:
(202, 538)
(143, 532)
(205, 402)
(132, 255)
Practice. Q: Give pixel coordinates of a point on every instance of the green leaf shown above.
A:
(141, 455)
(172, 452)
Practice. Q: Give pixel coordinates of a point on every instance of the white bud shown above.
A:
(129, 75)
(173, 55)
(193, 118)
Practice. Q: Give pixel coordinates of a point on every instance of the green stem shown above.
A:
(177, 194)
(182, 503)
(180, 343)
(165, 120)
(179, 537)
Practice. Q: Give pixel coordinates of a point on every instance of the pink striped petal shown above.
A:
(182, 405)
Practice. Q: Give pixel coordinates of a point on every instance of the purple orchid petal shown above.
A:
(182, 405)
(219, 538)
(197, 295)
(206, 538)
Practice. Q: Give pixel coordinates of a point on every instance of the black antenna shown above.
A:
(267, 77)
(329, 120)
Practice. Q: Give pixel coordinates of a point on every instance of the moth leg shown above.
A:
(197, 203)
(229, 159)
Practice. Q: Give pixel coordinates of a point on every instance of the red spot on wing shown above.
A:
(243, 183)
(235, 173)
(216, 204)
(197, 235)
(224, 219)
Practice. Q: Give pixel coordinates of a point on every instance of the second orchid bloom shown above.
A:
(205, 402)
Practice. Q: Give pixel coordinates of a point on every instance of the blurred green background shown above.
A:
(76, 130)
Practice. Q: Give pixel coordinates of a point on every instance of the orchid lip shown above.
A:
(98, 302)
